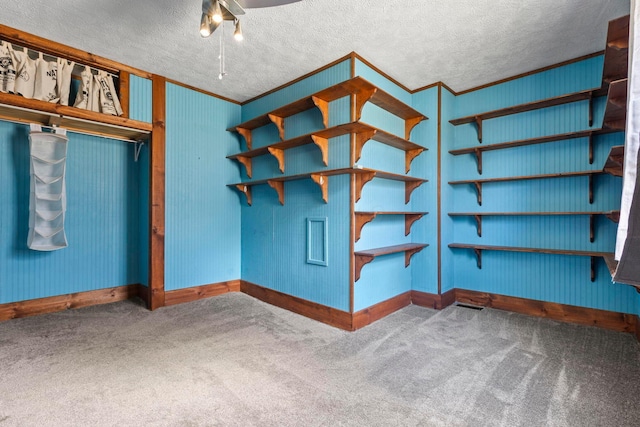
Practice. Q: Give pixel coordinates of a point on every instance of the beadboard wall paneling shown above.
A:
(140, 99)
(274, 237)
(143, 214)
(380, 81)
(102, 214)
(329, 77)
(555, 278)
(202, 235)
(449, 165)
(570, 78)
(274, 241)
(424, 264)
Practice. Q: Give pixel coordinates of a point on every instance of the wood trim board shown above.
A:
(180, 296)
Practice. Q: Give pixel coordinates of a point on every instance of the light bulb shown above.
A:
(217, 14)
(237, 34)
(205, 26)
(220, 76)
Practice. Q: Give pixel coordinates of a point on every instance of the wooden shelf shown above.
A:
(615, 113)
(362, 131)
(15, 108)
(478, 150)
(608, 257)
(616, 53)
(612, 215)
(365, 257)
(362, 218)
(477, 183)
(362, 175)
(615, 161)
(530, 106)
(362, 91)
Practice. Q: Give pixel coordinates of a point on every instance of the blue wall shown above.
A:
(274, 237)
(556, 278)
(102, 215)
(202, 227)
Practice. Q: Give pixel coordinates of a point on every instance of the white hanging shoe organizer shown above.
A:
(48, 199)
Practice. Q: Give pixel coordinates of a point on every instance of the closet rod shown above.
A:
(48, 56)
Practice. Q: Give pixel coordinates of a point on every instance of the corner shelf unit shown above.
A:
(362, 91)
(362, 218)
(363, 175)
(607, 256)
(366, 256)
(530, 106)
(612, 215)
(363, 133)
(477, 183)
(15, 108)
(478, 150)
(616, 53)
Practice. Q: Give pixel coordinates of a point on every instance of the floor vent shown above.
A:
(472, 307)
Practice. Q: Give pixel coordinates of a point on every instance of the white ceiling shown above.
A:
(463, 43)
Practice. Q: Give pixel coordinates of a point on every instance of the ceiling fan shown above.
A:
(214, 12)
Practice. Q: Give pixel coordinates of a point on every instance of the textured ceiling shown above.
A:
(463, 43)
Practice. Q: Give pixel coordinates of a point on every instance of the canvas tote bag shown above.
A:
(84, 91)
(46, 79)
(63, 83)
(25, 73)
(7, 68)
(109, 102)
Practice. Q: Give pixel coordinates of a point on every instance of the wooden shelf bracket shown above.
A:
(246, 161)
(590, 189)
(279, 155)
(409, 186)
(279, 187)
(409, 156)
(361, 180)
(323, 145)
(361, 261)
(478, 186)
(409, 124)
(361, 138)
(409, 253)
(323, 183)
(478, 122)
(362, 218)
(592, 235)
(323, 106)
(246, 134)
(362, 95)
(478, 253)
(479, 224)
(246, 190)
(478, 154)
(279, 122)
(409, 219)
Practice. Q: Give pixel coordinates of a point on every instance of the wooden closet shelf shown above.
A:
(366, 256)
(362, 175)
(361, 89)
(362, 218)
(612, 215)
(530, 106)
(616, 53)
(615, 113)
(15, 108)
(478, 182)
(607, 256)
(479, 149)
(363, 132)
(615, 161)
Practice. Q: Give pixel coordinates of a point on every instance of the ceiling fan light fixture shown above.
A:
(217, 12)
(237, 34)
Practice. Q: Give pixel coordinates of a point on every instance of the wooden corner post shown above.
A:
(157, 194)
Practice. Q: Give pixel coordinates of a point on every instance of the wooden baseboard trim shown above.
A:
(438, 302)
(180, 296)
(638, 328)
(369, 315)
(330, 316)
(566, 313)
(15, 310)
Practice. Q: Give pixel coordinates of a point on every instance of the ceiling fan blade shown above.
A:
(249, 4)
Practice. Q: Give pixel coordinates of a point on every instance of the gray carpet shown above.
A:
(235, 361)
